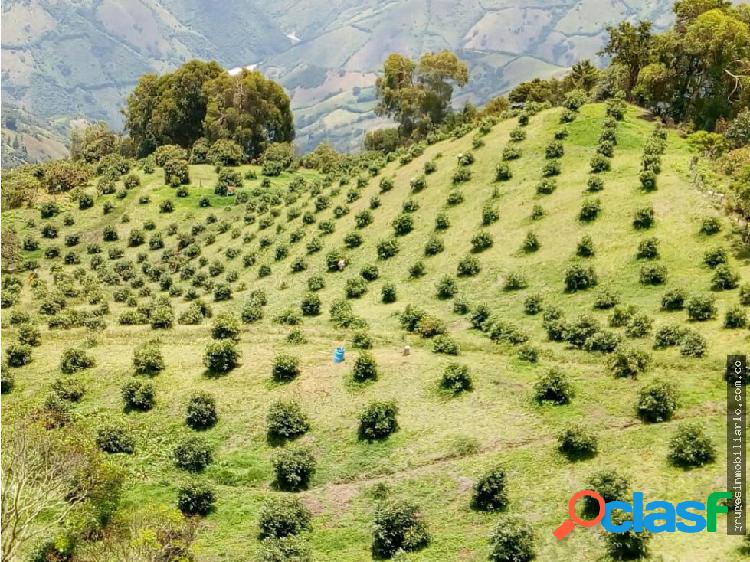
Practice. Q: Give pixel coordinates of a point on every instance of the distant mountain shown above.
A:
(79, 58)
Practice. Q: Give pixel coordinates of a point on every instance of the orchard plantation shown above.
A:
(533, 297)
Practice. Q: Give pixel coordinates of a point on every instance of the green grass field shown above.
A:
(444, 442)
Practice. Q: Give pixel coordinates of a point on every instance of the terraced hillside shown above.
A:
(499, 247)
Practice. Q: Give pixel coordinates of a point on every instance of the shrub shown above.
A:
(7, 381)
(606, 148)
(480, 242)
(643, 218)
(115, 439)
(201, 411)
(710, 226)
(590, 210)
(193, 454)
(469, 266)
(595, 183)
(511, 540)
(744, 294)
(551, 168)
(455, 197)
(673, 299)
(554, 150)
(147, 358)
(657, 402)
(638, 326)
(195, 499)
(418, 183)
(546, 186)
(225, 152)
(398, 526)
(532, 304)
(462, 174)
(355, 288)
(445, 344)
(285, 420)
(434, 246)
(388, 293)
(628, 362)
(28, 334)
(621, 315)
(515, 281)
(611, 485)
(630, 545)
(691, 446)
(162, 316)
(735, 317)
(446, 287)
(668, 336)
(648, 180)
(74, 360)
(600, 163)
(693, 344)
(576, 442)
(648, 249)
(68, 388)
(386, 184)
(388, 248)
(166, 206)
(511, 153)
(653, 274)
(378, 420)
(365, 368)
(294, 467)
(490, 492)
(285, 368)
(602, 341)
(701, 308)
(316, 283)
(715, 257)
(724, 279)
(430, 326)
(528, 353)
(442, 222)
(283, 516)
(530, 243)
(310, 304)
(138, 395)
(503, 172)
(176, 172)
(221, 356)
(517, 135)
(580, 278)
(410, 318)
(49, 209)
(403, 224)
(109, 234)
(341, 314)
(581, 330)
(553, 386)
(369, 272)
(456, 378)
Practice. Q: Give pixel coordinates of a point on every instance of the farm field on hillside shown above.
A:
(303, 265)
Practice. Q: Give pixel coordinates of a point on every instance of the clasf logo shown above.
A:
(656, 516)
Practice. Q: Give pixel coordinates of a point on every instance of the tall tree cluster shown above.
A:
(200, 99)
(698, 71)
(417, 94)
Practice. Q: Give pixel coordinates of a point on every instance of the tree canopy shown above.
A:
(696, 71)
(418, 94)
(200, 99)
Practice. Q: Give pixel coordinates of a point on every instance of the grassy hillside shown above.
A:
(445, 442)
